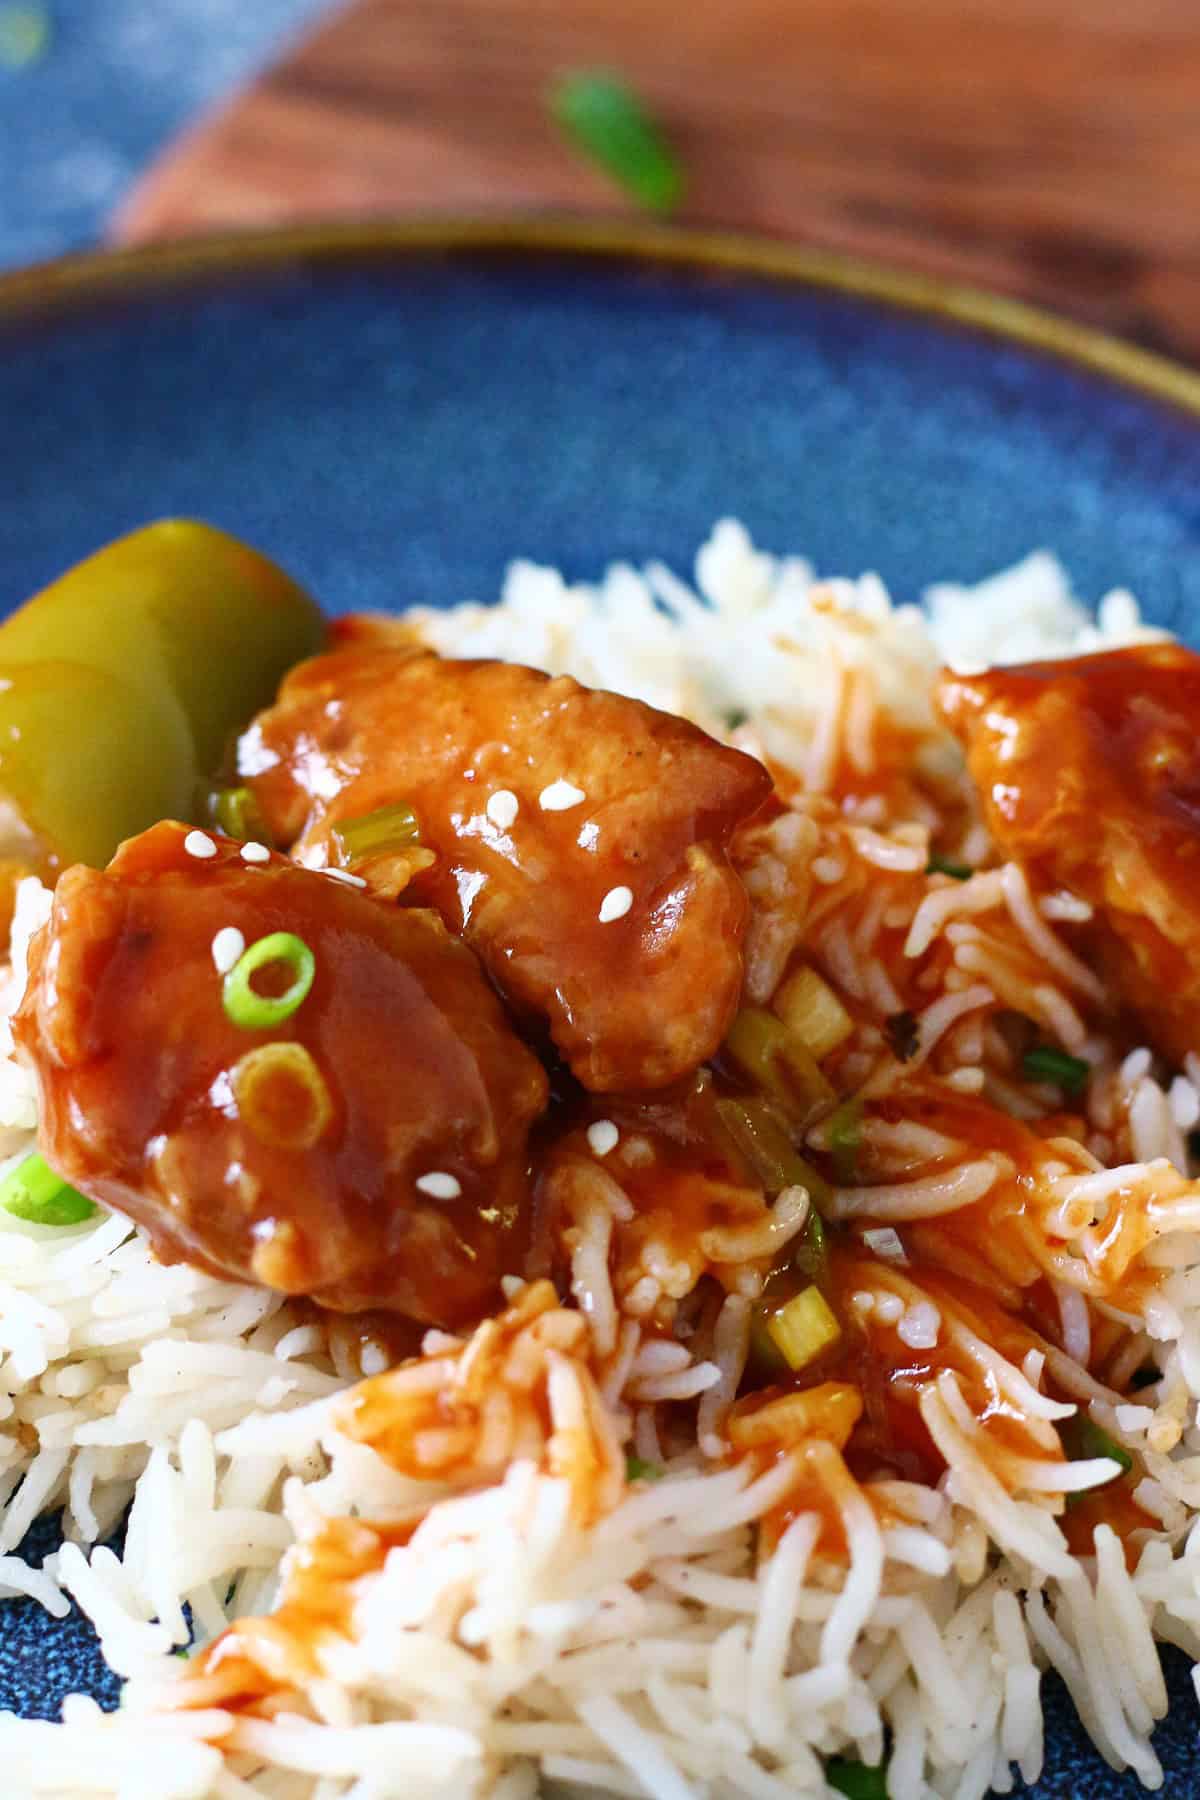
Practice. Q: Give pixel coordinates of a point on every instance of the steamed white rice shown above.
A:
(509, 1649)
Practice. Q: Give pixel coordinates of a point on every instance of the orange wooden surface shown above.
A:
(1050, 148)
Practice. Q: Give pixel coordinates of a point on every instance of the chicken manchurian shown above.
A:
(579, 839)
(368, 1148)
(1089, 776)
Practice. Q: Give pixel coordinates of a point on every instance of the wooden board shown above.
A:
(1046, 149)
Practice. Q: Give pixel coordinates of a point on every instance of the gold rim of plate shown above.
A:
(74, 281)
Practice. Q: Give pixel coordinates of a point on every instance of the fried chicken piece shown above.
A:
(367, 1150)
(1089, 772)
(579, 838)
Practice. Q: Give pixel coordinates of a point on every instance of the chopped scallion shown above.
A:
(945, 865)
(235, 812)
(845, 1138)
(804, 1327)
(379, 833)
(809, 1007)
(857, 1780)
(606, 120)
(810, 1251)
(638, 1470)
(779, 1062)
(32, 1191)
(760, 1138)
(1045, 1063)
(252, 1011)
(1083, 1440)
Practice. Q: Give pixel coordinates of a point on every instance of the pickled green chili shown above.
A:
(166, 643)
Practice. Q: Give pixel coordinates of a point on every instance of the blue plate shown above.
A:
(394, 413)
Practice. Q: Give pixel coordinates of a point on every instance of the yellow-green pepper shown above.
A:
(122, 683)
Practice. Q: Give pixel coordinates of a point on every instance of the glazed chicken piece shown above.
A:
(1089, 771)
(579, 839)
(367, 1150)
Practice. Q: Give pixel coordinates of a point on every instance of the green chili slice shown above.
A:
(34, 1192)
(252, 1011)
(376, 833)
(1045, 1063)
(638, 1470)
(606, 120)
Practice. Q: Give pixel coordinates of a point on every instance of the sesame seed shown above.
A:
(560, 796)
(439, 1186)
(227, 946)
(615, 904)
(602, 1136)
(198, 843)
(345, 875)
(503, 807)
(254, 853)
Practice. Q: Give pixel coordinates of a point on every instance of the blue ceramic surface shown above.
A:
(396, 428)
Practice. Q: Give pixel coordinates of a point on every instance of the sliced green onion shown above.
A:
(24, 35)
(903, 1034)
(252, 1011)
(378, 833)
(857, 1780)
(810, 1251)
(34, 1192)
(1045, 1063)
(235, 812)
(944, 865)
(637, 1470)
(808, 1006)
(734, 717)
(777, 1060)
(760, 1138)
(605, 119)
(1083, 1440)
(845, 1138)
(803, 1327)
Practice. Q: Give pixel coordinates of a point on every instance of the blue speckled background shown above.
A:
(116, 80)
(397, 432)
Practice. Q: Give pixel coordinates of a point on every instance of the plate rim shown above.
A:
(46, 290)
